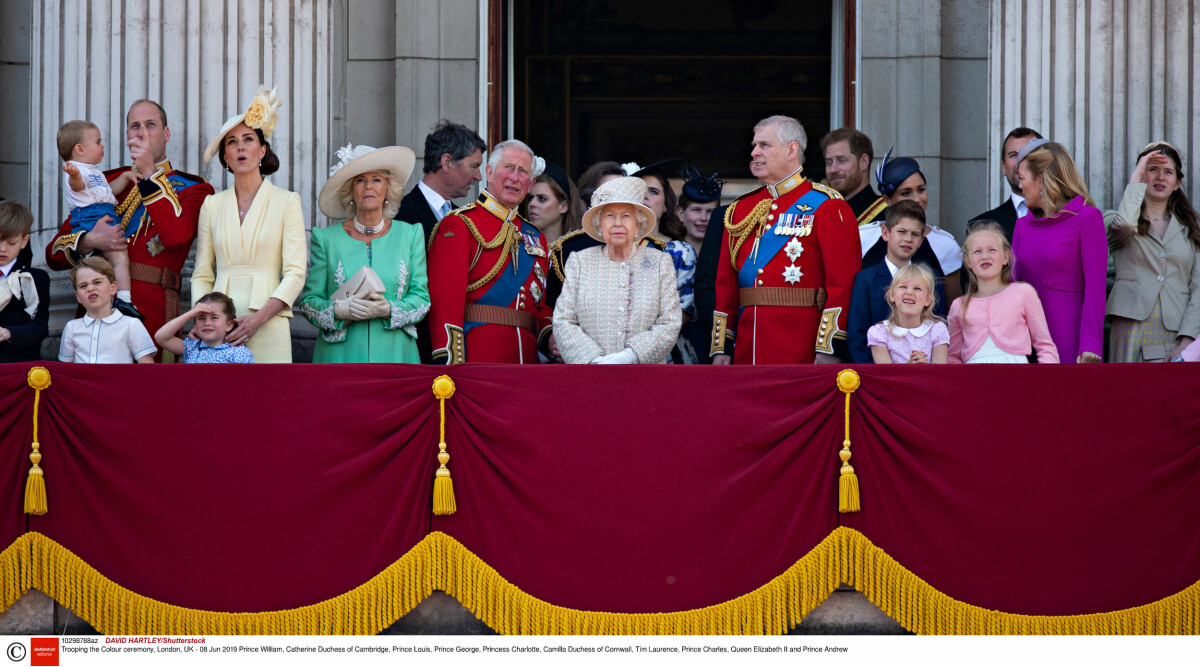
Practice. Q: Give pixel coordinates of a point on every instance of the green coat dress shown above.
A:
(398, 258)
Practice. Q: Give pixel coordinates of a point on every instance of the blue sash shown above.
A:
(508, 283)
(770, 244)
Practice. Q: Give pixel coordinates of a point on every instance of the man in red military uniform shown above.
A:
(789, 259)
(487, 271)
(166, 201)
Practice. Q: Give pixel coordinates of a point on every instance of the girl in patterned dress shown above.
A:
(214, 314)
(912, 334)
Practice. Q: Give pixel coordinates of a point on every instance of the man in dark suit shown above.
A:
(1014, 207)
(453, 155)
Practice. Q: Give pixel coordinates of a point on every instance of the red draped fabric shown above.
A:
(1033, 490)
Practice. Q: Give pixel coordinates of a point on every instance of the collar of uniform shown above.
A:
(786, 185)
(489, 201)
(88, 320)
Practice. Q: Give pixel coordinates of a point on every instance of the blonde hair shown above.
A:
(909, 272)
(1061, 181)
(71, 135)
(972, 281)
(395, 192)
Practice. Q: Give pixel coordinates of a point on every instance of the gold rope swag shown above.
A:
(35, 484)
(847, 381)
(443, 486)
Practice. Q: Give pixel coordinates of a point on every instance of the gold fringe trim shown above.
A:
(441, 562)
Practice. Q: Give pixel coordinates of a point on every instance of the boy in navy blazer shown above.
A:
(902, 231)
(24, 291)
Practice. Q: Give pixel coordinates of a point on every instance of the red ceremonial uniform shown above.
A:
(795, 302)
(168, 207)
(481, 309)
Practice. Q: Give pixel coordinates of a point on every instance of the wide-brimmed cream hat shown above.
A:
(624, 190)
(355, 160)
(261, 114)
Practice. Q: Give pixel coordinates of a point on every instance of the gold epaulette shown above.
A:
(655, 241)
(833, 194)
(556, 252)
(873, 210)
(457, 212)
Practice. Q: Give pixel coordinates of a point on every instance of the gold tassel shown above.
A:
(443, 486)
(847, 382)
(35, 484)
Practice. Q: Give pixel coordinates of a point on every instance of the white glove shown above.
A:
(377, 307)
(626, 356)
(352, 309)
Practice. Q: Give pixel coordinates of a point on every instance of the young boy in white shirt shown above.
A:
(103, 335)
(91, 197)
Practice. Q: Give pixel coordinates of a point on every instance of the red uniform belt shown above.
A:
(795, 297)
(165, 278)
(505, 316)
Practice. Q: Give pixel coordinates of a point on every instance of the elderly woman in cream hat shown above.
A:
(367, 285)
(250, 242)
(618, 304)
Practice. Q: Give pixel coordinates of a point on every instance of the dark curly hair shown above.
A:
(267, 166)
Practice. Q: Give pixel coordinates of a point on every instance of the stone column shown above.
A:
(923, 89)
(202, 61)
(1103, 78)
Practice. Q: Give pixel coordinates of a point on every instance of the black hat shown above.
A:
(701, 189)
(556, 174)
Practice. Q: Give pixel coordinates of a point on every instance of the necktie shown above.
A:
(1022, 209)
(445, 209)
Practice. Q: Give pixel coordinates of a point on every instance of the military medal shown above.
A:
(806, 224)
(793, 249)
(540, 273)
(535, 290)
(532, 248)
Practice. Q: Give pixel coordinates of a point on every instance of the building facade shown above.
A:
(937, 80)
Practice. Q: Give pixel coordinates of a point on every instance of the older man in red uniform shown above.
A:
(487, 271)
(166, 201)
(788, 264)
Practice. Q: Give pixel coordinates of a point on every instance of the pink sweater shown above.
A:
(1013, 318)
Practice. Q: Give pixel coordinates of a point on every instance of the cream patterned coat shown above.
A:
(606, 306)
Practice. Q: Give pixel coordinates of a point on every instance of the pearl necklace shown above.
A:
(368, 231)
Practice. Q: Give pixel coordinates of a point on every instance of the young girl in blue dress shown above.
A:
(214, 314)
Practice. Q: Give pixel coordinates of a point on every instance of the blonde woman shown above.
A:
(1060, 248)
(251, 243)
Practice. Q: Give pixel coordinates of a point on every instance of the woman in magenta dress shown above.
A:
(1061, 249)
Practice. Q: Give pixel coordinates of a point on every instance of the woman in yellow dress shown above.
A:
(252, 245)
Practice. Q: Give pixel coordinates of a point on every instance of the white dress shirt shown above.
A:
(115, 339)
(435, 200)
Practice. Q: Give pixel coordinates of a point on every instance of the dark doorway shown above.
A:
(632, 80)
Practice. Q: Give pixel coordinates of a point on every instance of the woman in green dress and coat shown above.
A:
(375, 322)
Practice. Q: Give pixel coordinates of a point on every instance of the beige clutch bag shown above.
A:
(362, 284)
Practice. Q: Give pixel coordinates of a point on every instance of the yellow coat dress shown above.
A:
(253, 260)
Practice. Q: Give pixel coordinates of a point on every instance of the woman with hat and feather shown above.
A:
(381, 258)
(619, 304)
(251, 242)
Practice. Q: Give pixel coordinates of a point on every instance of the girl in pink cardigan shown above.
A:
(1006, 321)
